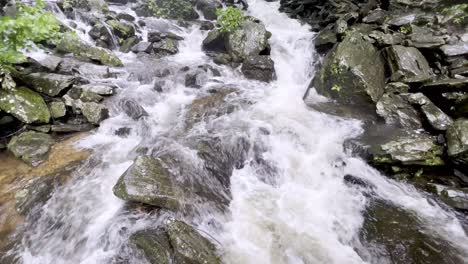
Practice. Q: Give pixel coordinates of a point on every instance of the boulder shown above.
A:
(144, 46)
(57, 109)
(32, 147)
(82, 50)
(446, 85)
(154, 244)
(167, 46)
(100, 89)
(457, 198)
(260, 67)
(102, 33)
(94, 112)
(24, 104)
(457, 140)
(457, 49)
(436, 117)
(121, 29)
(214, 41)
(128, 44)
(189, 246)
(352, 73)
(51, 84)
(396, 109)
(149, 181)
(383, 39)
(250, 39)
(170, 9)
(407, 64)
(326, 38)
(208, 8)
(416, 149)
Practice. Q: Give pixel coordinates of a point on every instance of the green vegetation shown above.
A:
(30, 25)
(458, 13)
(229, 19)
(405, 29)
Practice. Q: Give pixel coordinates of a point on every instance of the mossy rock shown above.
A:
(170, 9)
(30, 146)
(24, 104)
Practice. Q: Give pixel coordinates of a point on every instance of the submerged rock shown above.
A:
(259, 68)
(25, 105)
(352, 73)
(149, 181)
(30, 146)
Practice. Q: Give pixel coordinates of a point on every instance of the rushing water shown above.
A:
(298, 210)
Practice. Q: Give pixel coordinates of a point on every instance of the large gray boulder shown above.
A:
(51, 84)
(150, 181)
(175, 242)
(352, 73)
(407, 64)
(24, 104)
(250, 39)
(32, 147)
(260, 67)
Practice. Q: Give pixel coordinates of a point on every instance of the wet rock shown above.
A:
(407, 64)
(259, 68)
(156, 36)
(214, 41)
(166, 47)
(460, 48)
(208, 8)
(250, 39)
(145, 47)
(102, 33)
(132, 109)
(326, 38)
(81, 50)
(353, 180)
(457, 140)
(94, 112)
(32, 147)
(352, 73)
(383, 39)
(149, 181)
(401, 238)
(48, 62)
(126, 17)
(436, 117)
(170, 9)
(210, 105)
(123, 131)
(154, 244)
(401, 20)
(427, 41)
(24, 104)
(206, 25)
(189, 246)
(57, 109)
(191, 80)
(100, 89)
(416, 149)
(457, 198)
(121, 29)
(128, 44)
(375, 16)
(48, 83)
(396, 109)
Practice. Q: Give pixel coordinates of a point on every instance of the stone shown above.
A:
(145, 47)
(49, 62)
(32, 147)
(352, 73)
(94, 112)
(154, 244)
(447, 85)
(401, 20)
(68, 128)
(24, 104)
(82, 50)
(260, 67)
(214, 41)
(102, 33)
(250, 39)
(416, 149)
(126, 17)
(128, 44)
(395, 109)
(326, 38)
(191, 80)
(132, 109)
(149, 181)
(57, 109)
(436, 117)
(383, 39)
(407, 64)
(375, 16)
(122, 29)
(189, 246)
(427, 41)
(51, 84)
(100, 89)
(208, 8)
(456, 198)
(206, 25)
(170, 9)
(166, 47)
(457, 139)
(460, 48)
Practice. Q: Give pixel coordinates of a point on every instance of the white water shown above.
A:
(302, 212)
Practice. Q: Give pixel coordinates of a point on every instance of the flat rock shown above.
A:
(30, 146)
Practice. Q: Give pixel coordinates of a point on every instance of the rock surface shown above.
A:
(32, 147)
(25, 105)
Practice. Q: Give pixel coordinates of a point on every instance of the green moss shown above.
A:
(229, 19)
(336, 88)
(24, 104)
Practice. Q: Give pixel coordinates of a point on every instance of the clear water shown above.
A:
(299, 212)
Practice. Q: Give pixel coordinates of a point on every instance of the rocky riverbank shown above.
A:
(407, 64)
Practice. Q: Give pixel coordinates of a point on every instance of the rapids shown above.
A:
(295, 210)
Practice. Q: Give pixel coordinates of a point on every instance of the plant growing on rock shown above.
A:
(229, 19)
(458, 13)
(32, 24)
